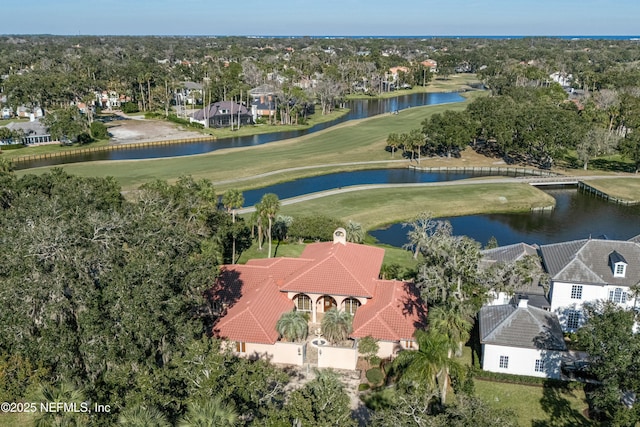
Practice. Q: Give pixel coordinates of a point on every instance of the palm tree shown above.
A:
(268, 207)
(61, 393)
(393, 142)
(142, 416)
(211, 413)
(232, 200)
(293, 326)
(336, 325)
(430, 365)
(355, 232)
(453, 321)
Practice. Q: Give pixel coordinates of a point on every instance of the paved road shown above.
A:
(528, 180)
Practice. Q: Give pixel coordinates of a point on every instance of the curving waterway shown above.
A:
(577, 215)
(358, 109)
(302, 186)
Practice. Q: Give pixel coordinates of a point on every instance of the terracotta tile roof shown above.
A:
(253, 317)
(393, 314)
(255, 293)
(338, 269)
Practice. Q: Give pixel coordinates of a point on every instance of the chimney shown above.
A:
(340, 236)
(523, 302)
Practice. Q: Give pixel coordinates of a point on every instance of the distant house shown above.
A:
(263, 101)
(590, 270)
(34, 132)
(190, 93)
(327, 275)
(222, 114)
(431, 65)
(7, 113)
(521, 340)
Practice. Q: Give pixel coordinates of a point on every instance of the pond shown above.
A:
(358, 109)
(577, 216)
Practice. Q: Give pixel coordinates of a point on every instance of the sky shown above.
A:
(322, 17)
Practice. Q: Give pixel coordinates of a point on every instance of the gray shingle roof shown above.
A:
(508, 253)
(216, 108)
(526, 327)
(588, 261)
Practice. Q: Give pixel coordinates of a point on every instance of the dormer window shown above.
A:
(618, 264)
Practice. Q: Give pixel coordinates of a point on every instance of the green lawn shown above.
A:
(374, 208)
(537, 406)
(534, 405)
(354, 141)
(627, 189)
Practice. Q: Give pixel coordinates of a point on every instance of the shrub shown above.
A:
(99, 130)
(129, 107)
(375, 376)
(314, 228)
(363, 387)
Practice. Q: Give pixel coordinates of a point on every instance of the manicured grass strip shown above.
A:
(378, 207)
(535, 405)
(627, 189)
(362, 140)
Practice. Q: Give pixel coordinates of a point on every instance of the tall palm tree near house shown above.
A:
(142, 416)
(268, 208)
(232, 200)
(210, 413)
(293, 326)
(453, 320)
(336, 325)
(429, 366)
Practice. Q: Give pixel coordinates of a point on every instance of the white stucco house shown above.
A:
(521, 340)
(590, 270)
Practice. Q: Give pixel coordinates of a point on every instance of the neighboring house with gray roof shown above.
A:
(521, 340)
(590, 270)
(33, 132)
(222, 114)
(534, 291)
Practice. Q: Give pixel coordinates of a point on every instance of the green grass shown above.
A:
(362, 140)
(537, 406)
(627, 189)
(374, 208)
(533, 405)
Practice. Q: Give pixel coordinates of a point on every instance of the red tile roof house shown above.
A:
(329, 274)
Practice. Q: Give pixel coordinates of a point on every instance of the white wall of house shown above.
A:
(563, 302)
(281, 352)
(499, 298)
(337, 357)
(521, 361)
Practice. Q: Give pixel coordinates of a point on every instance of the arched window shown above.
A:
(303, 302)
(351, 305)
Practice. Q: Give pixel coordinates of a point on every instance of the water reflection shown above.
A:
(576, 216)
